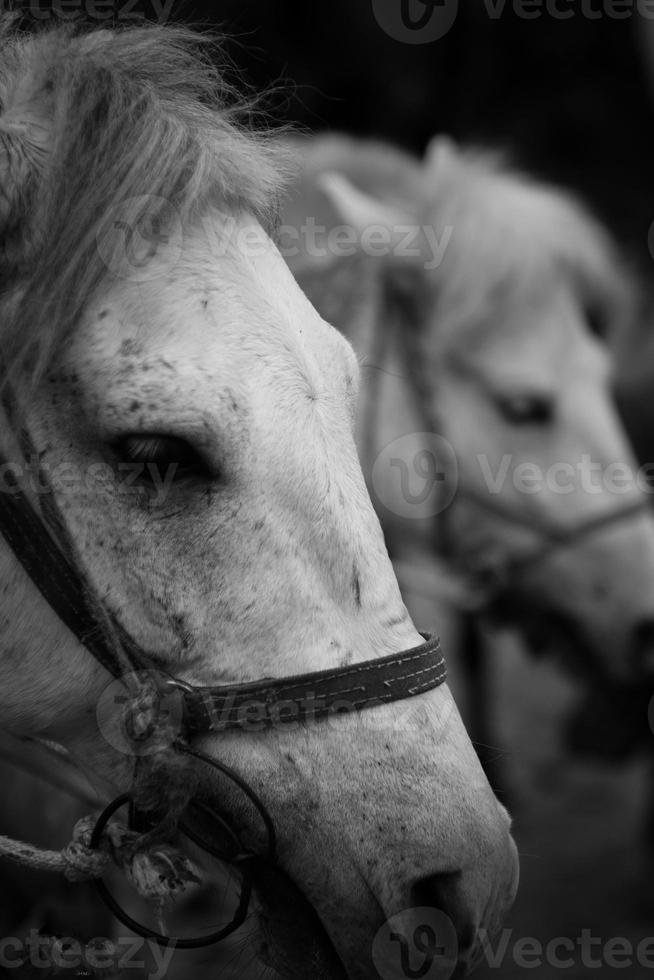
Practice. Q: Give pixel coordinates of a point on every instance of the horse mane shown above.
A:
(138, 116)
(513, 239)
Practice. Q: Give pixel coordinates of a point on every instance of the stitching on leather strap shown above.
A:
(312, 696)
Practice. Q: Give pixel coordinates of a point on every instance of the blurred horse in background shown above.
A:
(482, 316)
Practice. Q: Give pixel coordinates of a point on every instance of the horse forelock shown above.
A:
(89, 120)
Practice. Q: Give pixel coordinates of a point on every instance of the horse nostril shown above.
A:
(643, 648)
(444, 893)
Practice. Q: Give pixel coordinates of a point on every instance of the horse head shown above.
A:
(496, 295)
(182, 417)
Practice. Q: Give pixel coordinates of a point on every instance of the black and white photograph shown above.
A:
(326, 489)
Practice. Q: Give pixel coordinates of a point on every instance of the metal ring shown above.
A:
(209, 848)
(157, 937)
(253, 797)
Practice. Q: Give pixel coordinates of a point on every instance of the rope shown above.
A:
(163, 786)
(75, 861)
(158, 872)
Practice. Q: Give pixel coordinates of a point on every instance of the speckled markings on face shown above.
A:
(263, 557)
(154, 361)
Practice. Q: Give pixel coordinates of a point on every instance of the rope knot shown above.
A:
(81, 861)
(158, 871)
(161, 872)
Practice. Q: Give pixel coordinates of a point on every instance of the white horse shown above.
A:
(479, 315)
(190, 416)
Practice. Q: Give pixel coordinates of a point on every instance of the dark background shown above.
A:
(567, 98)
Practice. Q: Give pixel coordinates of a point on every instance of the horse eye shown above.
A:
(526, 409)
(167, 454)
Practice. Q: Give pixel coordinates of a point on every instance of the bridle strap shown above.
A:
(489, 580)
(555, 535)
(551, 537)
(252, 706)
(306, 697)
(51, 568)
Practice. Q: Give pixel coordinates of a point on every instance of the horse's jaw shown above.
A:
(610, 717)
(366, 809)
(290, 938)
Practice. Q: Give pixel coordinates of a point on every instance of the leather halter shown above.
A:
(485, 579)
(50, 565)
(491, 579)
(42, 545)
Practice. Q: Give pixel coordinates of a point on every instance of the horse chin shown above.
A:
(548, 632)
(562, 639)
(609, 721)
(292, 942)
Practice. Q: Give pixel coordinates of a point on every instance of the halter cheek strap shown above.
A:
(50, 564)
(494, 577)
(51, 567)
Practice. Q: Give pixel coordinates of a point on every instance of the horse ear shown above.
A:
(441, 151)
(403, 282)
(359, 209)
